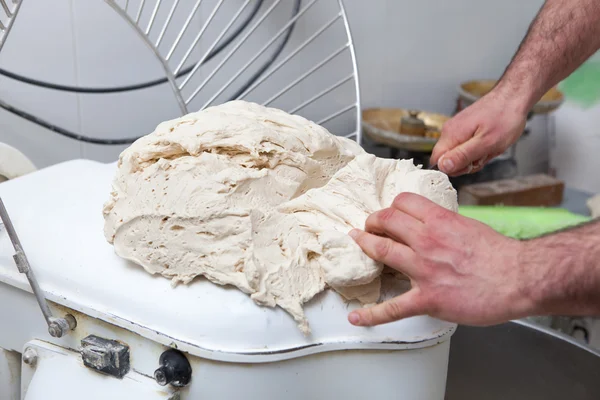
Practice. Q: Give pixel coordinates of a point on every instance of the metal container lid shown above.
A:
(57, 215)
(402, 129)
(471, 91)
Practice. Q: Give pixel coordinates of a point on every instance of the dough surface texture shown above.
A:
(256, 198)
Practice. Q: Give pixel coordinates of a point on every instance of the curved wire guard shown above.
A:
(8, 13)
(317, 75)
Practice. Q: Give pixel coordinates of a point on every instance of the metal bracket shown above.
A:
(57, 327)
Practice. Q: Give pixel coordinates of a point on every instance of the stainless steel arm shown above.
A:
(57, 327)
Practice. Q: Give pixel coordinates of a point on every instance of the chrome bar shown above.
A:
(260, 52)
(183, 29)
(163, 62)
(221, 35)
(153, 16)
(126, 5)
(355, 69)
(289, 57)
(6, 28)
(6, 9)
(322, 93)
(57, 327)
(336, 114)
(139, 13)
(166, 24)
(305, 75)
(229, 55)
(2, 27)
(198, 36)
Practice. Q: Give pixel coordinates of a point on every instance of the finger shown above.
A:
(463, 155)
(406, 305)
(417, 206)
(395, 224)
(474, 167)
(393, 254)
(444, 143)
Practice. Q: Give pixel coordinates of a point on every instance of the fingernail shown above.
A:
(448, 164)
(353, 233)
(354, 318)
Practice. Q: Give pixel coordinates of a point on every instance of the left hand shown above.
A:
(461, 270)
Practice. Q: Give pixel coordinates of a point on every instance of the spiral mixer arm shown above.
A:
(302, 90)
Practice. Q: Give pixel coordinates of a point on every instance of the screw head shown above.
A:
(55, 330)
(30, 356)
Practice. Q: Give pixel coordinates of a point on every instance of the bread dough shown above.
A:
(256, 198)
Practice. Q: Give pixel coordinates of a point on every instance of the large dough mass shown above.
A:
(259, 199)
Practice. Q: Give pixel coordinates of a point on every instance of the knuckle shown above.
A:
(461, 157)
(382, 248)
(393, 310)
(386, 215)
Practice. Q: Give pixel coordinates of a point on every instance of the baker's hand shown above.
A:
(461, 270)
(478, 133)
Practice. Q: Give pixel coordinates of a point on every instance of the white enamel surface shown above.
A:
(57, 215)
(13, 163)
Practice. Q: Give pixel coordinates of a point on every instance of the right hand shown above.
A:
(478, 133)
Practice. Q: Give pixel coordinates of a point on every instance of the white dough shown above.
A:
(259, 199)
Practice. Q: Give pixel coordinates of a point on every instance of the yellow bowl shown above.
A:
(471, 91)
(382, 125)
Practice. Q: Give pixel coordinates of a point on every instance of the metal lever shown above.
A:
(57, 327)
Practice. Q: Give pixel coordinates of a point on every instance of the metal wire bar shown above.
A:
(355, 68)
(126, 5)
(322, 93)
(229, 55)
(8, 23)
(306, 75)
(166, 24)
(221, 35)
(139, 13)
(183, 29)
(153, 16)
(260, 52)
(336, 114)
(6, 9)
(290, 56)
(199, 36)
(164, 62)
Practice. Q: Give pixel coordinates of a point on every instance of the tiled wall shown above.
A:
(410, 54)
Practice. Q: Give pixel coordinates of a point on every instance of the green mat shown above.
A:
(523, 222)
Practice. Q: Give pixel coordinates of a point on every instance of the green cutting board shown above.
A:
(523, 222)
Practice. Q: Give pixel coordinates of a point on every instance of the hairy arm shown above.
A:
(563, 35)
(566, 271)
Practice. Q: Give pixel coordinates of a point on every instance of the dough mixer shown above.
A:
(109, 329)
(113, 330)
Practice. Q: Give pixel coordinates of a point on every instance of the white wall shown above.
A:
(410, 54)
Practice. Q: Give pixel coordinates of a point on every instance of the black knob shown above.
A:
(174, 369)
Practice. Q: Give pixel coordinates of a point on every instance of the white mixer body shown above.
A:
(235, 348)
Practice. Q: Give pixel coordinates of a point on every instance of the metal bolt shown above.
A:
(55, 330)
(30, 356)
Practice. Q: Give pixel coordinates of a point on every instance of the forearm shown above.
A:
(563, 271)
(563, 35)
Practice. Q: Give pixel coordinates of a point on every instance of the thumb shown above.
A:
(406, 305)
(444, 143)
(463, 156)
